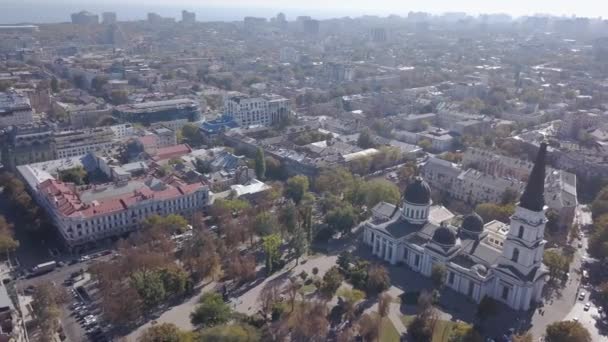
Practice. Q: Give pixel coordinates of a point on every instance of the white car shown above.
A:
(587, 306)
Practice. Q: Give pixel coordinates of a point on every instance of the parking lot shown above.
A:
(82, 317)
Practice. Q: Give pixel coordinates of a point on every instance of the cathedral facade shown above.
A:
(491, 259)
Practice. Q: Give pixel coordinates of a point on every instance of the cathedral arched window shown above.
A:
(515, 256)
(520, 234)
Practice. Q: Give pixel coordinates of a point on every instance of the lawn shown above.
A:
(442, 329)
(388, 332)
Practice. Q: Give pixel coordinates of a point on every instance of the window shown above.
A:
(505, 293)
(520, 234)
(515, 256)
(417, 260)
(451, 278)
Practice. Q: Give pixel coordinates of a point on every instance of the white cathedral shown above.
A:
(497, 260)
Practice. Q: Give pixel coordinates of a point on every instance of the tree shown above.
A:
(438, 275)
(271, 244)
(265, 224)
(150, 287)
(380, 190)
(165, 332)
(260, 164)
(312, 324)
(299, 243)
(557, 263)
(7, 241)
(210, 311)
(45, 304)
(365, 140)
(288, 217)
(231, 333)
(293, 288)
(200, 256)
(296, 187)
(192, 134)
(378, 279)
(342, 219)
(336, 181)
(422, 327)
(487, 307)
(350, 298)
(526, 337)
(567, 331)
(384, 304)
(369, 327)
(54, 85)
(275, 169)
(426, 144)
(491, 211)
(332, 279)
(462, 332)
(170, 224)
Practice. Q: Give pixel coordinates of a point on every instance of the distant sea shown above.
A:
(20, 11)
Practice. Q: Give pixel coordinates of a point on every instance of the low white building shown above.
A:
(494, 260)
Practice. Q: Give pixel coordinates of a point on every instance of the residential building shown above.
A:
(159, 111)
(26, 144)
(108, 18)
(85, 18)
(80, 142)
(188, 17)
(494, 260)
(338, 72)
(265, 110)
(15, 109)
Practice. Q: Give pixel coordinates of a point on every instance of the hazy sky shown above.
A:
(592, 8)
(14, 11)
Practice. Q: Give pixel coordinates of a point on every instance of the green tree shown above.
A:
(231, 333)
(378, 279)
(7, 241)
(491, 211)
(192, 134)
(165, 332)
(336, 181)
(567, 331)
(332, 279)
(379, 190)
(299, 243)
(54, 85)
(487, 307)
(341, 219)
(76, 175)
(288, 217)
(296, 187)
(171, 223)
(149, 285)
(210, 311)
(438, 275)
(265, 224)
(462, 332)
(260, 164)
(271, 244)
(365, 140)
(557, 263)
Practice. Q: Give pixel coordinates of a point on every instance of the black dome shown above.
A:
(473, 223)
(418, 192)
(444, 236)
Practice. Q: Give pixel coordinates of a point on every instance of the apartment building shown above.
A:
(77, 143)
(265, 110)
(15, 109)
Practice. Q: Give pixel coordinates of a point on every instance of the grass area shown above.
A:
(310, 288)
(442, 328)
(388, 332)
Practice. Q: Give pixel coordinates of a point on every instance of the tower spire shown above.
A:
(533, 197)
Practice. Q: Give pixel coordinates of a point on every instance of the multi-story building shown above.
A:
(159, 111)
(108, 18)
(265, 110)
(495, 260)
(89, 214)
(84, 18)
(76, 143)
(15, 109)
(338, 72)
(25, 144)
(378, 34)
(188, 17)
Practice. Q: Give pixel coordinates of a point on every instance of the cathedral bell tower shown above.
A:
(521, 265)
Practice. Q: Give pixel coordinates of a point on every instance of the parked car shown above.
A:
(587, 306)
(581, 296)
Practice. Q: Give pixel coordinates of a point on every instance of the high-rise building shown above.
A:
(378, 34)
(311, 26)
(85, 18)
(108, 18)
(188, 17)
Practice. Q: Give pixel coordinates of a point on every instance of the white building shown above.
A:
(15, 109)
(80, 142)
(504, 263)
(265, 110)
